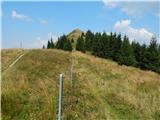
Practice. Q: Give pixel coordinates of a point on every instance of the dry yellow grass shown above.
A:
(121, 92)
(8, 56)
(30, 87)
(102, 89)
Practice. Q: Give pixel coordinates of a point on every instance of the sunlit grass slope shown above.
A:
(30, 87)
(110, 91)
(101, 89)
(8, 56)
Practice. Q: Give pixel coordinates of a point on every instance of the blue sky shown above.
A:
(34, 23)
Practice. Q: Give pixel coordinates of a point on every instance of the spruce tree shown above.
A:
(117, 47)
(100, 46)
(80, 45)
(95, 46)
(104, 45)
(48, 45)
(143, 62)
(67, 45)
(61, 41)
(43, 47)
(111, 43)
(137, 50)
(154, 56)
(89, 40)
(51, 44)
(127, 57)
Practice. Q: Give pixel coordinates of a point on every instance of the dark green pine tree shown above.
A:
(143, 62)
(138, 53)
(100, 46)
(127, 56)
(117, 44)
(111, 43)
(83, 35)
(105, 44)
(89, 40)
(64, 44)
(80, 45)
(51, 44)
(67, 45)
(96, 45)
(43, 47)
(57, 45)
(61, 41)
(48, 45)
(154, 55)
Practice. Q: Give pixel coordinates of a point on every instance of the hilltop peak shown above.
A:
(75, 34)
(77, 30)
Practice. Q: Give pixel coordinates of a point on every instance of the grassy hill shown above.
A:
(9, 55)
(30, 88)
(75, 34)
(117, 92)
(101, 88)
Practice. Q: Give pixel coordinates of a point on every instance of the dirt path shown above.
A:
(72, 67)
(14, 62)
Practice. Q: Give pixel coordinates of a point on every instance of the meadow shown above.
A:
(101, 89)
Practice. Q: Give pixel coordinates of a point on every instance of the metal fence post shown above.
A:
(60, 96)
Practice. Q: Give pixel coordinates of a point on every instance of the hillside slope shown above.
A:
(111, 91)
(30, 87)
(101, 88)
(75, 34)
(9, 55)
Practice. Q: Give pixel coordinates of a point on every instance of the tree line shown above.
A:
(116, 48)
(63, 43)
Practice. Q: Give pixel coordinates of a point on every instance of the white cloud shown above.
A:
(141, 35)
(122, 24)
(16, 15)
(110, 4)
(50, 34)
(134, 8)
(158, 14)
(42, 21)
(54, 37)
(39, 41)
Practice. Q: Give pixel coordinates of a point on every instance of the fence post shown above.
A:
(60, 96)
